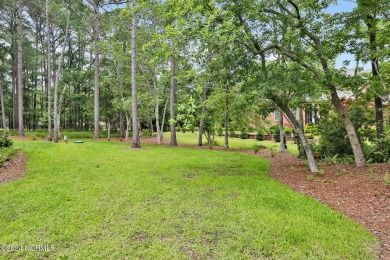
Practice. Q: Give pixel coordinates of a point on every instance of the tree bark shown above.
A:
(375, 73)
(172, 101)
(298, 129)
(56, 84)
(134, 103)
(156, 111)
(353, 138)
(3, 109)
(226, 119)
(20, 68)
(96, 27)
(201, 123)
(14, 95)
(121, 125)
(283, 145)
(302, 137)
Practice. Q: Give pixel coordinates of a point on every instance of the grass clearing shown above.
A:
(104, 200)
(234, 143)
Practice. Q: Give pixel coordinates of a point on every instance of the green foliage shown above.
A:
(287, 130)
(256, 148)
(333, 137)
(275, 131)
(90, 200)
(219, 130)
(7, 153)
(260, 136)
(310, 128)
(5, 142)
(244, 133)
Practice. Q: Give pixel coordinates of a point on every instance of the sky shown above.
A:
(345, 6)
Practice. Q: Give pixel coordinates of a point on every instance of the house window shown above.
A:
(277, 115)
(294, 113)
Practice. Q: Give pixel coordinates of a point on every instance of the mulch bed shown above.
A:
(358, 192)
(13, 169)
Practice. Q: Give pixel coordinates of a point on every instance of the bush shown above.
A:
(5, 142)
(244, 134)
(274, 130)
(7, 153)
(219, 131)
(309, 136)
(333, 137)
(260, 136)
(145, 133)
(287, 130)
(311, 129)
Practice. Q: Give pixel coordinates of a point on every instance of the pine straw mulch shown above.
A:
(13, 169)
(358, 192)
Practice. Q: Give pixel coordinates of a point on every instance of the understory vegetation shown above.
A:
(105, 200)
(7, 151)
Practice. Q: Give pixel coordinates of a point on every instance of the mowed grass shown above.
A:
(102, 200)
(234, 143)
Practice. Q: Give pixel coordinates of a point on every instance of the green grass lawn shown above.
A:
(234, 143)
(102, 200)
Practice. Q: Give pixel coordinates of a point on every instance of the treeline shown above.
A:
(205, 64)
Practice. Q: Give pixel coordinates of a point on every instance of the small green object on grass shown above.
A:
(78, 142)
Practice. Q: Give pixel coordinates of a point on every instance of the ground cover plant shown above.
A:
(104, 200)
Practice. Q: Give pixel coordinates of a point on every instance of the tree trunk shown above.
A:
(226, 120)
(108, 130)
(302, 137)
(298, 129)
(371, 23)
(3, 109)
(56, 84)
(201, 123)
(14, 97)
(20, 68)
(161, 136)
(121, 125)
(96, 27)
(172, 101)
(353, 138)
(134, 103)
(301, 151)
(283, 145)
(156, 111)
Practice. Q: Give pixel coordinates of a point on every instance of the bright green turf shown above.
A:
(102, 200)
(234, 143)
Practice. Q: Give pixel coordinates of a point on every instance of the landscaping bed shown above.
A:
(358, 192)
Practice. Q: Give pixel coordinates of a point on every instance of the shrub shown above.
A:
(244, 134)
(311, 129)
(256, 148)
(274, 130)
(7, 153)
(287, 130)
(309, 136)
(145, 133)
(5, 142)
(333, 137)
(219, 131)
(260, 136)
